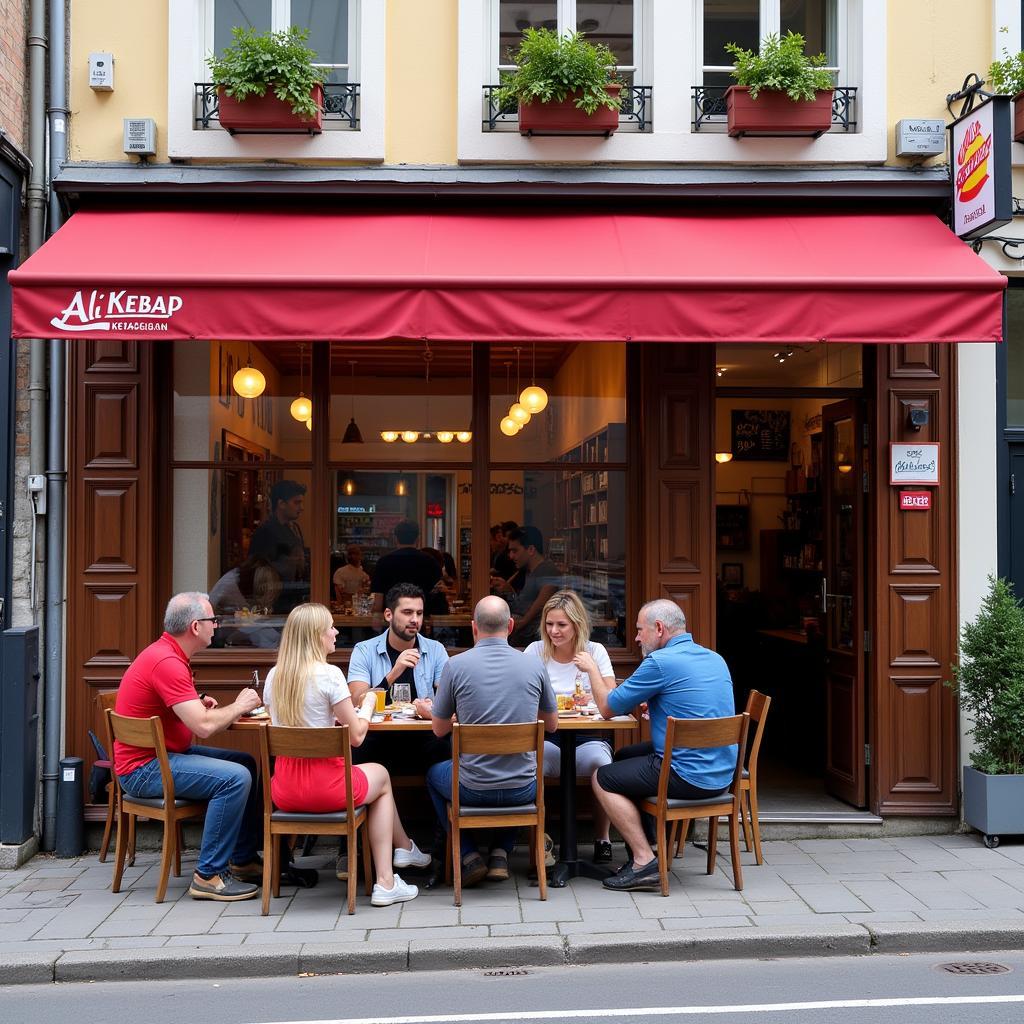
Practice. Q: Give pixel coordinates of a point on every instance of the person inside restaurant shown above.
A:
(543, 578)
(304, 691)
(406, 564)
(278, 540)
(351, 578)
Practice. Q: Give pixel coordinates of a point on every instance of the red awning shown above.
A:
(507, 276)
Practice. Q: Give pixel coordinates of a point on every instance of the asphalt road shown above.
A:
(877, 989)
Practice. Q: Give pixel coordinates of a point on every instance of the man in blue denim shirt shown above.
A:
(677, 679)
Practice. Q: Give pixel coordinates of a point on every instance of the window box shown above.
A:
(267, 115)
(565, 118)
(773, 113)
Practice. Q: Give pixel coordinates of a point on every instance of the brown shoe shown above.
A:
(251, 872)
(221, 887)
(474, 870)
(497, 867)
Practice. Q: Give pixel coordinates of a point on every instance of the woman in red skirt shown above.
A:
(304, 691)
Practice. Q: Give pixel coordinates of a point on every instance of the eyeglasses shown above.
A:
(210, 618)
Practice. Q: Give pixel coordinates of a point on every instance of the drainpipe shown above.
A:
(56, 470)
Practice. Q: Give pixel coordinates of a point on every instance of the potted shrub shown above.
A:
(990, 683)
(266, 82)
(563, 85)
(1006, 76)
(779, 91)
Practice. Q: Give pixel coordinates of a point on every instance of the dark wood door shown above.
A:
(1017, 516)
(843, 600)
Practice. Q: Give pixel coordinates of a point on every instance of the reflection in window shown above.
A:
(1015, 356)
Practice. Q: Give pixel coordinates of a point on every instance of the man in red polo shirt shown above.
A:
(159, 682)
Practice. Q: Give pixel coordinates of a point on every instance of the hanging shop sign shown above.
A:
(979, 156)
(914, 463)
(915, 500)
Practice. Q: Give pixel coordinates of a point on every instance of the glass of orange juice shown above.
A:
(382, 697)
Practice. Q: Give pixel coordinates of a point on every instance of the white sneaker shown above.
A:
(414, 858)
(400, 892)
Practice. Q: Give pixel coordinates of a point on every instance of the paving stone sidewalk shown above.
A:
(839, 895)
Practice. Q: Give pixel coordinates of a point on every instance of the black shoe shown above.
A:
(602, 851)
(630, 878)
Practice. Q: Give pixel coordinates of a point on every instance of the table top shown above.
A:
(594, 723)
(398, 724)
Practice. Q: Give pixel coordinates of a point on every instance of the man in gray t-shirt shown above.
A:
(492, 684)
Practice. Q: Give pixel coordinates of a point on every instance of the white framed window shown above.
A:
(349, 39)
(822, 23)
(618, 24)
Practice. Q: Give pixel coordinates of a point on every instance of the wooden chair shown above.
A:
(149, 732)
(283, 741)
(497, 739)
(105, 702)
(757, 708)
(698, 734)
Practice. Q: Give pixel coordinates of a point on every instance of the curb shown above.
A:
(264, 961)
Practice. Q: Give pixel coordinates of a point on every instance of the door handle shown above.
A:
(825, 595)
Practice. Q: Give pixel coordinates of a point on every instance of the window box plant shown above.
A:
(267, 83)
(990, 682)
(779, 91)
(563, 85)
(1006, 76)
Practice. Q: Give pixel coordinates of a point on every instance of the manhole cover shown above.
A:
(974, 967)
(505, 973)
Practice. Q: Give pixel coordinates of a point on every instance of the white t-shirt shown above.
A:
(563, 677)
(323, 691)
(350, 578)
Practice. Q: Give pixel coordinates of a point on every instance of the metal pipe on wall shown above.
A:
(56, 467)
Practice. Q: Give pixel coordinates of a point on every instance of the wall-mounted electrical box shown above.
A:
(920, 137)
(101, 72)
(140, 136)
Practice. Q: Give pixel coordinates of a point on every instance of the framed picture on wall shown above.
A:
(732, 574)
(223, 377)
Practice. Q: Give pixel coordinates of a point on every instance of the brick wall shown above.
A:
(13, 69)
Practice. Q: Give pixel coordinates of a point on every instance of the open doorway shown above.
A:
(790, 444)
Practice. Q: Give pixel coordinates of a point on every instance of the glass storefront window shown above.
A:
(1015, 356)
(211, 419)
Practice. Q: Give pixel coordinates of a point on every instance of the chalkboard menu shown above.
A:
(760, 435)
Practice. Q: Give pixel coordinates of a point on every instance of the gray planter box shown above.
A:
(994, 804)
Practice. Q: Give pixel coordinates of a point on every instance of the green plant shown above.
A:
(1007, 75)
(990, 681)
(551, 67)
(257, 61)
(781, 66)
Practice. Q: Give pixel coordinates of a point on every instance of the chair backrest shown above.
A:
(517, 738)
(288, 741)
(144, 732)
(757, 708)
(701, 734)
(105, 702)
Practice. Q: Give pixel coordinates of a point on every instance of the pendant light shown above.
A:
(348, 486)
(445, 436)
(352, 432)
(534, 398)
(302, 408)
(248, 381)
(508, 426)
(389, 436)
(463, 436)
(518, 411)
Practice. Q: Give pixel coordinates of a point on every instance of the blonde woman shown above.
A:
(569, 654)
(303, 690)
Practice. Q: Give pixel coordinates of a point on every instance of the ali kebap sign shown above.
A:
(981, 165)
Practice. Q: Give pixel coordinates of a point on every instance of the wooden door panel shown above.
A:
(109, 535)
(914, 637)
(680, 522)
(917, 710)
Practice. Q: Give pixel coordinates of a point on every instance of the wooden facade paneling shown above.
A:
(912, 576)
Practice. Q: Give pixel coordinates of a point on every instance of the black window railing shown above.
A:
(635, 113)
(709, 108)
(340, 105)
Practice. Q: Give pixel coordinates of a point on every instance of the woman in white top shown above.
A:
(303, 690)
(569, 654)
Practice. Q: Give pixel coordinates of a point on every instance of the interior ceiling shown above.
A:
(803, 365)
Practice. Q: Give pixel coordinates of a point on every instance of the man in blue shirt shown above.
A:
(677, 679)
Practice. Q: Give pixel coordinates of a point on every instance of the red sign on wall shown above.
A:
(915, 499)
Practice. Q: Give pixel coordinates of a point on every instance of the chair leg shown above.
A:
(275, 876)
(744, 812)
(538, 859)
(712, 844)
(131, 840)
(108, 827)
(367, 862)
(456, 855)
(663, 856)
(166, 857)
(754, 824)
(269, 868)
(179, 842)
(734, 849)
(353, 869)
(682, 832)
(120, 850)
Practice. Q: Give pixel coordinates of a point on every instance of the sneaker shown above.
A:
(341, 868)
(630, 878)
(497, 866)
(474, 870)
(549, 851)
(400, 892)
(221, 887)
(249, 872)
(602, 851)
(414, 858)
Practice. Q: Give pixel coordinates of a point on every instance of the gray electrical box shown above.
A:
(19, 726)
(101, 72)
(920, 136)
(140, 136)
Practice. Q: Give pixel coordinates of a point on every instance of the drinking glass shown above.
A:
(401, 693)
(381, 697)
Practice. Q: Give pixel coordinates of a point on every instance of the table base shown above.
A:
(566, 869)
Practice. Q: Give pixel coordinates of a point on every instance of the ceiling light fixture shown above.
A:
(721, 457)
(464, 436)
(302, 408)
(248, 381)
(720, 371)
(352, 433)
(508, 426)
(388, 436)
(534, 398)
(782, 355)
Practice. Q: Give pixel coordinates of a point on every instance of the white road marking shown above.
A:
(670, 1011)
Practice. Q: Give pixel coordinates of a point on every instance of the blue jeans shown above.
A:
(439, 786)
(224, 778)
